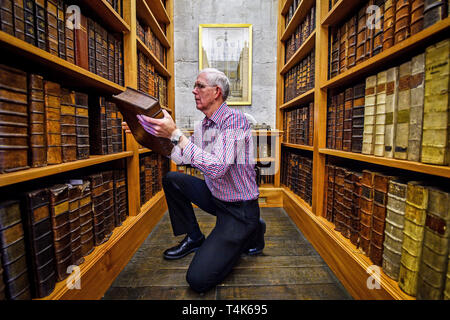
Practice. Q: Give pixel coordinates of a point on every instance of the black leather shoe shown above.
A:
(186, 246)
(258, 246)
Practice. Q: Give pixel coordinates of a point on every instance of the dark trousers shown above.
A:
(235, 228)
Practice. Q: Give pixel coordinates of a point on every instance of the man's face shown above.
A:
(204, 94)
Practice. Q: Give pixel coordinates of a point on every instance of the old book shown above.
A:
(435, 250)
(447, 282)
(329, 213)
(331, 121)
(417, 7)
(110, 111)
(435, 138)
(131, 103)
(12, 248)
(378, 31)
(403, 110)
(388, 24)
(340, 120)
(369, 115)
(370, 31)
(380, 117)
(69, 33)
(334, 47)
(339, 176)
(74, 187)
(434, 11)
(19, 19)
(366, 210)
(402, 20)
(347, 204)
(96, 185)
(30, 25)
(52, 97)
(36, 113)
(39, 236)
(61, 29)
(416, 83)
(120, 194)
(380, 191)
(108, 202)
(81, 43)
(40, 18)
(97, 125)
(13, 120)
(415, 215)
(82, 124)
(111, 49)
(59, 209)
(348, 107)
(68, 126)
(394, 225)
(358, 117)
(391, 111)
(2, 283)
(352, 26)
(343, 44)
(52, 26)
(356, 215)
(311, 124)
(7, 16)
(86, 219)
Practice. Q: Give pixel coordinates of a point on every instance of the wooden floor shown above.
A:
(289, 268)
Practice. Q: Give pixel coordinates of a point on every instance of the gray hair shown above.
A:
(216, 77)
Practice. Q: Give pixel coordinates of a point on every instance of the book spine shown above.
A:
(343, 44)
(82, 50)
(348, 106)
(98, 208)
(111, 50)
(378, 31)
(358, 117)
(416, 113)
(352, 27)
(366, 210)
(86, 219)
(75, 223)
(68, 126)
(311, 124)
(380, 117)
(69, 32)
(82, 125)
(2, 283)
(334, 61)
(391, 111)
(7, 16)
(347, 204)
(388, 24)
(36, 113)
(402, 20)
(340, 120)
(435, 139)
(369, 115)
(52, 27)
(403, 111)
(108, 196)
(434, 11)
(52, 92)
(361, 36)
(41, 22)
(339, 176)
(61, 24)
(356, 214)
(417, 17)
(19, 19)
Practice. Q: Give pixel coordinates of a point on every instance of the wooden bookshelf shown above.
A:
(308, 96)
(301, 52)
(110, 17)
(298, 17)
(159, 11)
(158, 65)
(297, 146)
(145, 14)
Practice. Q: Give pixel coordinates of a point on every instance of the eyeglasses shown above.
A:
(199, 85)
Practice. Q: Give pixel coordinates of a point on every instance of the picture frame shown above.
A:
(228, 47)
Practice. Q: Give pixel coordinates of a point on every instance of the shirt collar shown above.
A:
(216, 116)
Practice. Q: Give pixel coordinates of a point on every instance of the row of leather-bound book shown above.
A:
(45, 232)
(57, 27)
(152, 168)
(400, 113)
(42, 123)
(147, 36)
(292, 8)
(301, 33)
(298, 125)
(378, 25)
(296, 174)
(401, 225)
(299, 78)
(149, 81)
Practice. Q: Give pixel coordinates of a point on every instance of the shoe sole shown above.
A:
(179, 257)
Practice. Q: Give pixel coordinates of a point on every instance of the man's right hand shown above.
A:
(125, 127)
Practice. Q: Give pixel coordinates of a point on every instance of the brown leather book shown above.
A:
(111, 49)
(119, 46)
(109, 108)
(19, 19)
(52, 96)
(52, 26)
(343, 45)
(13, 120)
(7, 16)
(347, 204)
(36, 113)
(61, 24)
(30, 26)
(334, 47)
(339, 176)
(82, 125)
(402, 20)
(86, 219)
(331, 121)
(40, 18)
(348, 107)
(370, 30)
(96, 181)
(340, 120)
(81, 44)
(352, 26)
(68, 126)
(148, 178)
(12, 248)
(366, 210)
(329, 189)
(69, 34)
(59, 208)
(108, 202)
(434, 11)
(2, 283)
(130, 104)
(361, 37)
(417, 7)
(97, 125)
(358, 117)
(39, 236)
(369, 115)
(378, 31)
(311, 124)
(380, 190)
(120, 194)
(389, 24)
(356, 215)
(74, 221)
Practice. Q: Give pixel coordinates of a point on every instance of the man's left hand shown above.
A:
(158, 127)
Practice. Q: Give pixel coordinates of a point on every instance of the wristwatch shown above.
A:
(176, 135)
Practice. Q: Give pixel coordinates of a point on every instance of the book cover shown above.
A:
(52, 27)
(391, 111)
(52, 98)
(7, 16)
(30, 25)
(68, 126)
(402, 20)
(40, 19)
(36, 113)
(417, 83)
(366, 210)
(19, 19)
(403, 111)
(82, 124)
(358, 117)
(86, 219)
(74, 192)
(434, 11)
(388, 24)
(369, 115)
(417, 17)
(380, 114)
(348, 107)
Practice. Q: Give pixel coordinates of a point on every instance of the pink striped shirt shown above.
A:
(222, 148)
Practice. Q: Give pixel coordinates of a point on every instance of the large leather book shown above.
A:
(403, 111)
(86, 219)
(52, 96)
(394, 225)
(435, 139)
(329, 203)
(307, 166)
(435, 250)
(98, 217)
(352, 26)
(415, 216)
(343, 43)
(36, 113)
(347, 204)
(356, 215)
(366, 210)
(434, 11)
(68, 126)
(348, 107)
(2, 283)
(380, 190)
(378, 31)
(74, 220)
(13, 120)
(369, 115)
(111, 50)
(391, 111)
(142, 176)
(447, 281)
(52, 26)
(416, 84)
(340, 120)
(119, 46)
(358, 117)
(110, 109)
(12, 248)
(380, 117)
(40, 20)
(334, 61)
(130, 104)
(388, 24)
(310, 124)
(120, 195)
(82, 124)
(7, 16)
(97, 125)
(39, 237)
(370, 32)
(331, 121)
(339, 176)
(108, 201)
(361, 37)
(417, 17)
(61, 24)
(30, 25)
(82, 51)
(402, 20)
(69, 38)
(19, 19)
(59, 208)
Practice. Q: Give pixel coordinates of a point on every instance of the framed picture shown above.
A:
(228, 47)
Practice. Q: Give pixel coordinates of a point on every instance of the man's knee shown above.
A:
(170, 177)
(197, 281)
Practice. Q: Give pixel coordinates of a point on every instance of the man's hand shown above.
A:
(158, 127)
